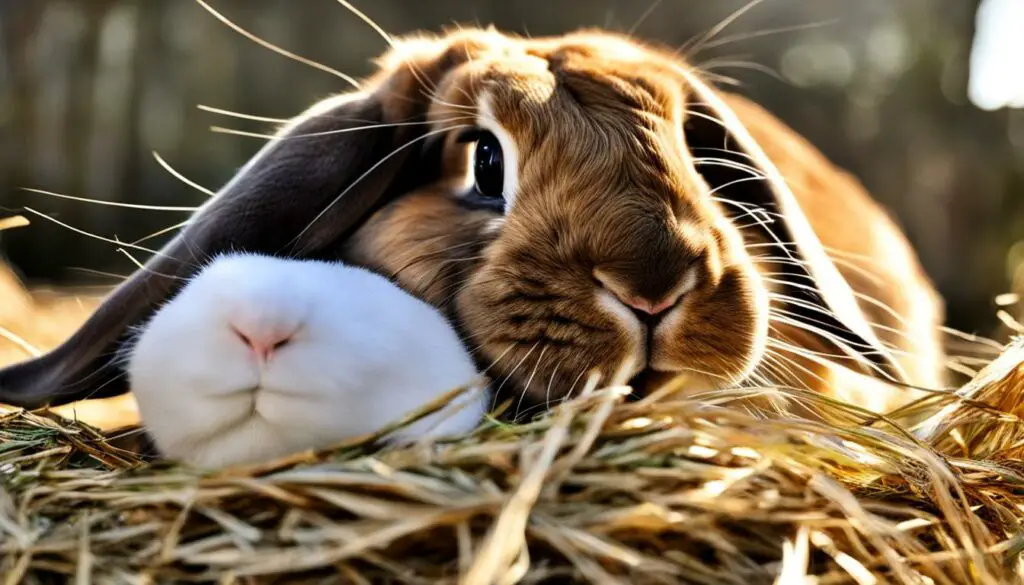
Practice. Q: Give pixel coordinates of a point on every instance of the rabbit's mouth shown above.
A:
(647, 381)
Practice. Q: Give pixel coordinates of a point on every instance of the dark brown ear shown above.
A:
(817, 296)
(302, 195)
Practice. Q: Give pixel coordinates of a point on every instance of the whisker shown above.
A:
(709, 118)
(109, 203)
(643, 17)
(370, 170)
(724, 162)
(785, 365)
(547, 392)
(794, 300)
(142, 266)
(694, 46)
(470, 112)
(240, 115)
(841, 343)
(161, 232)
(811, 356)
(972, 337)
(232, 131)
(95, 272)
(874, 278)
(721, 41)
(167, 167)
(862, 296)
(268, 45)
(735, 182)
(23, 345)
(738, 153)
(416, 71)
(721, 79)
(810, 306)
(759, 67)
(762, 217)
(887, 346)
(818, 309)
(91, 235)
(512, 373)
(572, 388)
(526, 385)
(430, 255)
(453, 290)
(729, 381)
(497, 359)
(457, 283)
(832, 252)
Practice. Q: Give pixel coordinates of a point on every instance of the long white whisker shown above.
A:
(110, 203)
(94, 236)
(161, 232)
(222, 130)
(643, 17)
(240, 115)
(781, 365)
(508, 376)
(721, 41)
(497, 359)
(529, 380)
(887, 346)
(874, 278)
(839, 342)
(691, 47)
(277, 49)
(547, 393)
(167, 167)
(387, 38)
(712, 64)
(864, 297)
(804, 353)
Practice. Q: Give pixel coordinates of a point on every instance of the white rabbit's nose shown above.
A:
(263, 343)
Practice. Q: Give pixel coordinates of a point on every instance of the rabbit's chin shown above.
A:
(264, 424)
(226, 410)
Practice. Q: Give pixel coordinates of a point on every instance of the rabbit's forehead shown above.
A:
(531, 85)
(597, 105)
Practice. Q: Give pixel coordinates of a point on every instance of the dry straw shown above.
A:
(603, 490)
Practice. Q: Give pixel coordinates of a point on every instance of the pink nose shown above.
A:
(265, 343)
(645, 306)
(637, 303)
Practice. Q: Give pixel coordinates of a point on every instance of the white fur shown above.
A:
(364, 354)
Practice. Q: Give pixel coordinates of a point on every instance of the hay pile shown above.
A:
(664, 490)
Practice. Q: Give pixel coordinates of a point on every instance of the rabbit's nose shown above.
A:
(649, 311)
(263, 343)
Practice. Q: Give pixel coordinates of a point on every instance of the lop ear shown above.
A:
(815, 294)
(302, 195)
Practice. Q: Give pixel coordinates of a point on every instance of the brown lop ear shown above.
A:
(302, 195)
(815, 294)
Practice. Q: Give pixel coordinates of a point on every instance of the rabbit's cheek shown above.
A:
(716, 337)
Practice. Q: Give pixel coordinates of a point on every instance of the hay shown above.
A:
(602, 490)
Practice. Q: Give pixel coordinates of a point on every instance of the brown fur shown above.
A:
(611, 183)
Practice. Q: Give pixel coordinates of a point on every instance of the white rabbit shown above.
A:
(259, 357)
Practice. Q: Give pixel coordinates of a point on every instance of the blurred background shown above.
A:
(90, 89)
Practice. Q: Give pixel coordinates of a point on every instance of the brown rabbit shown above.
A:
(575, 203)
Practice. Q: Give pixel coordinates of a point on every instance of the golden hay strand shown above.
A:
(666, 490)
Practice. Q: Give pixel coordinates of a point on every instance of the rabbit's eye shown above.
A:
(488, 171)
(488, 167)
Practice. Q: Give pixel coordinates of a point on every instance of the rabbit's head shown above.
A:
(576, 203)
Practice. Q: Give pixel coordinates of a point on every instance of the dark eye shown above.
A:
(489, 167)
(488, 171)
